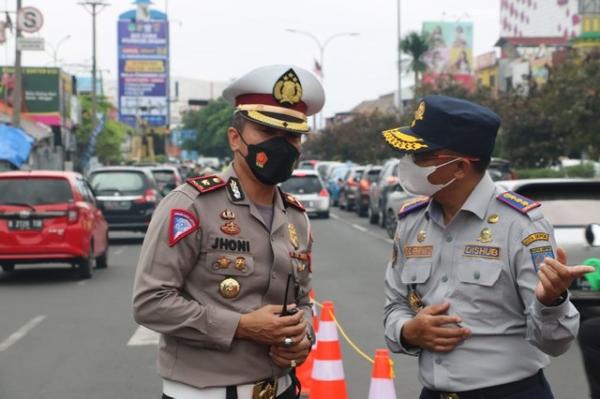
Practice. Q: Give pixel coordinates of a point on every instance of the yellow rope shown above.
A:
(352, 344)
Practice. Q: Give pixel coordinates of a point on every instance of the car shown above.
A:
(378, 192)
(167, 178)
(325, 167)
(395, 198)
(349, 189)
(571, 205)
(51, 217)
(335, 181)
(128, 196)
(307, 164)
(308, 188)
(500, 169)
(369, 176)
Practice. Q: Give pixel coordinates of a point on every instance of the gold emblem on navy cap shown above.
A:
(403, 141)
(419, 114)
(287, 89)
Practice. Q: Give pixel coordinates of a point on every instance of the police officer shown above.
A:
(220, 250)
(473, 287)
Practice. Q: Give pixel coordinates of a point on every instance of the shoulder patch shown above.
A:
(205, 184)
(289, 199)
(518, 202)
(182, 224)
(413, 205)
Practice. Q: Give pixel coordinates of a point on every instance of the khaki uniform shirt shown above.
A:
(178, 293)
(484, 264)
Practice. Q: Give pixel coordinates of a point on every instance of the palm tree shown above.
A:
(416, 45)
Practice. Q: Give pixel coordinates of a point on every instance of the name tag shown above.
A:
(230, 244)
(480, 251)
(418, 251)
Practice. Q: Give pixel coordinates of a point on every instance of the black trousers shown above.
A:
(589, 340)
(538, 390)
(288, 394)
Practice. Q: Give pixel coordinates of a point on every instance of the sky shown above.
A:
(222, 39)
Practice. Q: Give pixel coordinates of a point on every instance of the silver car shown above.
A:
(308, 188)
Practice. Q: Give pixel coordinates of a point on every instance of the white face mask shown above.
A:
(414, 179)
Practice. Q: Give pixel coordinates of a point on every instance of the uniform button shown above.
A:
(438, 361)
(476, 275)
(414, 278)
(444, 279)
(449, 238)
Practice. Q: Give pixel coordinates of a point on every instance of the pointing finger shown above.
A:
(579, 271)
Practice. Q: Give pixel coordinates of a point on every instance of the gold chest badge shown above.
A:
(485, 236)
(421, 236)
(414, 301)
(293, 236)
(229, 288)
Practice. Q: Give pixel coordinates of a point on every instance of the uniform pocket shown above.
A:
(416, 271)
(479, 271)
(230, 264)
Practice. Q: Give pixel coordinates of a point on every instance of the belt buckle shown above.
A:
(266, 389)
(449, 395)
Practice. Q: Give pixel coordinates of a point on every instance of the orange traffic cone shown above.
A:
(382, 384)
(304, 372)
(328, 371)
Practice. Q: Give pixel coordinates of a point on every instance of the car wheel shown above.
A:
(381, 219)
(86, 265)
(324, 215)
(373, 216)
(390, 225)
(8, 267)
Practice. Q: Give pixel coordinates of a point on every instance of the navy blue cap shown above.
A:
(443, 122)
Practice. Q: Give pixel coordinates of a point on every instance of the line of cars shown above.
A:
(64, 217)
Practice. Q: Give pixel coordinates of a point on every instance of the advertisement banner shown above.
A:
(143, 62)
(42, 93)
(451, 47)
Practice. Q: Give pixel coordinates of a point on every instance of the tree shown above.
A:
(416, 46)
(211, 124)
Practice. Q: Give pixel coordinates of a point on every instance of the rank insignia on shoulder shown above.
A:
(182, 224)
(205, 184)
(289, 199)
(518, 202)
(413, 205)
(235, 189)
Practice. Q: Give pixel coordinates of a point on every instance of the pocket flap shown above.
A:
(416, 271)
(480, 272)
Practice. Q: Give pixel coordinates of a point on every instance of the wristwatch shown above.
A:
(563, 297)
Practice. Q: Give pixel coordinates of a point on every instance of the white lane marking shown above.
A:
(82, 283)
(334, 216)
(20, 333)
(119, 251)
(360, 228)
(143, 336)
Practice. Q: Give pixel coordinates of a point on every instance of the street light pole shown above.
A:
(56, 48)
(94, 7)
(18, 91)
(400, 102)
(321, 46)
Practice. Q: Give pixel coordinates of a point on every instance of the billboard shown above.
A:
(451, 47)
(47, 94)
(143, 63)
(535, 18)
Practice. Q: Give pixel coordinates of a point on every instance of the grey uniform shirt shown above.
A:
(488, 278)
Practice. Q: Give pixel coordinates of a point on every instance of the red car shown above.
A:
(51, 216)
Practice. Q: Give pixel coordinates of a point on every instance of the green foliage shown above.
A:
(211, 124)
(583, 170)
(416, 46)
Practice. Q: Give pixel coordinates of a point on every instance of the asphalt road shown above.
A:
(61, 338)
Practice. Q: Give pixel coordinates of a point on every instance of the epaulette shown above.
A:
(289, 199)
(206, 184)
(517, 201)
(413, 205)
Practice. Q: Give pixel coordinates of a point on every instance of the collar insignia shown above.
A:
(235, 189)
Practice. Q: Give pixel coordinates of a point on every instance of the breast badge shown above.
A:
(421, 236)
(222, 263)
(229, 288)
(414, 301)
(293, 236)
(493, 219)
(240, 263)
(485, 236)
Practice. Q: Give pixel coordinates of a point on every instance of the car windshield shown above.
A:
(34, 191)
(567, 204)
(373, 175)
(124, 183)
(164, 176)
(302, 185)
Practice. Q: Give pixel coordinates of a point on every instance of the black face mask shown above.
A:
(272, 161)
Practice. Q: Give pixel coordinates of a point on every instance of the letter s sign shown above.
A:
(30, 19)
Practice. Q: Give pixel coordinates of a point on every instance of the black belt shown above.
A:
(495, 392)
(267, 388)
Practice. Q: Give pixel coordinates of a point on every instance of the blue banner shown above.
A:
(15, 145)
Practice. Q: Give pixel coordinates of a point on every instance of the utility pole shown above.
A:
(18, 92)
(400, 103)
(94, 7)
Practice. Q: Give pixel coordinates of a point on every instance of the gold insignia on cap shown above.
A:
(293, 236)
(287, 89)
(419, 114)
(222, 263)
(240, 263)
(227, 215)
(493, 219)
(485, 236)
(402, 141)
(421, 236)
(229, 288)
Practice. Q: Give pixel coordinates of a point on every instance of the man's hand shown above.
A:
(555, 277)
(429, 329)
(264, 325)
(283, 357)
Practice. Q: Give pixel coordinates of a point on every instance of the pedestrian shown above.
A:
(589, 340)
(473, 287)
(224, 253)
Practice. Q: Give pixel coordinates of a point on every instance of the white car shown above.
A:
(308, 188)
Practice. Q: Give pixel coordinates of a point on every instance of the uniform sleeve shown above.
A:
(158, 300)
(549, 328)
(397, 311)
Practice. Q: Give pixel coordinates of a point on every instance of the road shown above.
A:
(70, 339)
